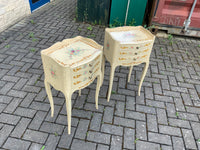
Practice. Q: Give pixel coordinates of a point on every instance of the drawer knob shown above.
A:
(90, 65)
(135, 53)
(137, 47)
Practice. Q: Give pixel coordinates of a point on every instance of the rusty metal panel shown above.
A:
(174, 12)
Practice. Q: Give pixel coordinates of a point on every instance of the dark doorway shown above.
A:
(34, 4)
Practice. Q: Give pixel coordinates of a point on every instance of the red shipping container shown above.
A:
(173, 13)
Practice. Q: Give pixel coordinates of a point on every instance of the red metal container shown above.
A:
(173, 13)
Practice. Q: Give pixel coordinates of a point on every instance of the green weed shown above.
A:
(136, 140)
(42, 147)
(32, 49)
(90, 28)
(32, 22)
(31, 35)
(7, 46)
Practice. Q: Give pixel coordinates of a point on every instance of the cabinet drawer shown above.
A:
(83, 75)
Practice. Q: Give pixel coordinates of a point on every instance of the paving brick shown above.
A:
(171, 112)
(4, 133)
(82, 129)
(6, 88)
(33, 89)
(194, 110)
(102, 147)
(159, 138)
(140, 99)
(98, 137)
(12, 106)
(35, 146)
(20, 128)
(129, 138)
(108, 115)
(9, 119)
(37, 120)
(162, 116)
(5, 99)
(188, 116)
(119, 111)
(164, 98)
(169, 130)
(2, 107)
(179, 104)
(111, 129)
(178, 143)
(135, 115)
(92, 107)
(149, 93)
(76, 144)
(13, 143)
(130, 103)
(40, 106)
(145, 109)
(20, 84)
(81, 114)
(141, 132)
(35, 136)
(141, 145)
(186, 98)
(96, 122)
(52, 128)
(179, 123)
(124, 122)
(52, 142)
(189, 139)
(196, 129)
(65, 140)
(28, 100)
(171, 93)
(15, 93)
(164, 147)
(165, 84)
(25, 112)
(152, 123)
(116, 143)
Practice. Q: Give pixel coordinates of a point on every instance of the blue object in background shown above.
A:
(34, 4)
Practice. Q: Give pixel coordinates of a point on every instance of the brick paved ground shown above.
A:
(166, 115)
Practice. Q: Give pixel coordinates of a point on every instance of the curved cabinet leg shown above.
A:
(103, 68)
(112, 71)
(129, 75)
(69, 109)
(49, 94)
(79, 92)
(97, 90)
(143, 75)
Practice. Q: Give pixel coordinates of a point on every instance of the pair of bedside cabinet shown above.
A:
(75, 63)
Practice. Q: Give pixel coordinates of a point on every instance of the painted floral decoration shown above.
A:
(107, 45)
(74, 52)
(53, 72)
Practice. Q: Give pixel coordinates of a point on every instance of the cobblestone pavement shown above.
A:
(166, 115)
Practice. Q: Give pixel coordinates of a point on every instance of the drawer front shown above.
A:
(83, 75)
(134, 54)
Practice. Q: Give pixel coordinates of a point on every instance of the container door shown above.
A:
(173, 13)
(34, 4)
(136, 11)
